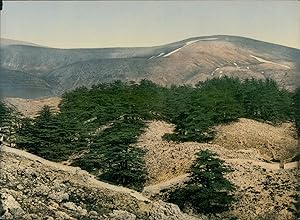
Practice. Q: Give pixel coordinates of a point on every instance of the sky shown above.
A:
(82, 24)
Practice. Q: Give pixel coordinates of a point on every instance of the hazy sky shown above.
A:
(112, 24)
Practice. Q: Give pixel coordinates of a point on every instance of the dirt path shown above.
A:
(265, 165)
(90, 179)
(156, 188)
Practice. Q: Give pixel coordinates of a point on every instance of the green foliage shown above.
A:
(113, 155)
(264, 100)
(122, 163)
(207, 191)
(225, 100)
(47, 136)
(9, 122)
(98, 127)
(3, 112)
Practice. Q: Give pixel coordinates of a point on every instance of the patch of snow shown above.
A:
(174, 51)
(159, 55)
(191, 42)
(212, 73)
(247, 67)
(267, 61)
(151, 57)
(221, 71)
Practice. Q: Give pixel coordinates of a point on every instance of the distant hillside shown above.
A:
(20, 84)
(183, 62)
(6, 42)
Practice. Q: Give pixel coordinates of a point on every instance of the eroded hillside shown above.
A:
(263, 188)
(30, 107)
(34, 188)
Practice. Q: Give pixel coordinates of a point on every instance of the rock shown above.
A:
(122, 215)
(48, 218)
(10, 207)
(285, 215)
(33, 216)
(59, 196)
(71, 206)
(63, 216)
(93, 213)
(20, 187)
(53, 205)
(82, 211)
(162, 210)
(68, 195)
(42, 190)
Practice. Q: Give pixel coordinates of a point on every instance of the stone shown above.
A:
(10, 207)
(93, 213)
(122, 215)
(70, 205)
(53, 205)
(42, 190)
(48, 218)
(62, 215)
(59, 196)
(20, 187)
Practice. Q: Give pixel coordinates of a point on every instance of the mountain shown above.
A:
(184, 62)
(19, 84)
(6, 42)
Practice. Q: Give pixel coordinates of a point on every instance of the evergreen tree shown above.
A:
(3, 117)
(121, 162)
(25, 135)
(264, 100)
(47, 136)
(9, 122)
(207, 191)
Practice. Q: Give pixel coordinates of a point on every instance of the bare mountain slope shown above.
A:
(195, 61)
(19, 84)
(243, 140)
(264, 190)
(30, 107)
(182, 62)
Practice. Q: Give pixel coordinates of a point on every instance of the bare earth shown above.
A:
(263, 188)
(30, 107)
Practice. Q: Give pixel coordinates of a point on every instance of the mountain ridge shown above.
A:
(26, 43)
(183, 62)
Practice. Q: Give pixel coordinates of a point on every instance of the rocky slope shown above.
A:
(20, 84)
(34, 188)
(275, 143)
(30, 107)
(264, 189)
(254, 149)
(166, 160)
(184, 62)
